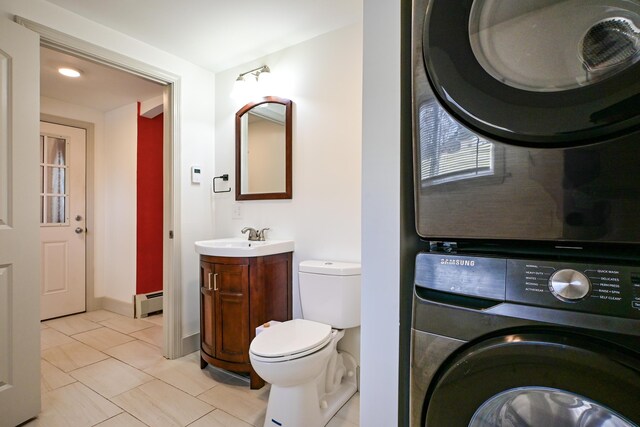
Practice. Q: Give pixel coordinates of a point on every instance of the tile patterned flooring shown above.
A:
(103, 369)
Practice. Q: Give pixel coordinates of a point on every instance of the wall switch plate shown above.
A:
(236, 212)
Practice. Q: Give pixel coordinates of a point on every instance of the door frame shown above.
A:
(171, 271)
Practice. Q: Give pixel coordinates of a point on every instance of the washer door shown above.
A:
(537, 73)
(542, 406)
(535, 380)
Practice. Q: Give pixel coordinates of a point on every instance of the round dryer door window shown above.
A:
(537, 72)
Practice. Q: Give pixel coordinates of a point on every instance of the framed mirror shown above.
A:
(263, 150)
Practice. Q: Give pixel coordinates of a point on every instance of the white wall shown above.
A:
(118, 156)
(195, 124)
(323, 78)
(380, 214)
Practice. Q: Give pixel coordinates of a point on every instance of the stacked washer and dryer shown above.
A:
(526, 120)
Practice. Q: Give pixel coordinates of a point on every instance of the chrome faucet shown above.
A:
(253, 234)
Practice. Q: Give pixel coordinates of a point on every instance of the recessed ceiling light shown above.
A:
(69, 72)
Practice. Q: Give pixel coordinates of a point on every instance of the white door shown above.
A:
(62, 220)
(19, 231)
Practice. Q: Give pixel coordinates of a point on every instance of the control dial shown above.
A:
(569, 285)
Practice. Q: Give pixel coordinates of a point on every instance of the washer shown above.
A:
(500, 342)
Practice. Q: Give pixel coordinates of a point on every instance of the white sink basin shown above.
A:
(241, 247)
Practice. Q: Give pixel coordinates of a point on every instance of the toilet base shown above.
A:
(302, 405)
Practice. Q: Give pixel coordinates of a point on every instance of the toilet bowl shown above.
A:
(310, 379)
(299, 394)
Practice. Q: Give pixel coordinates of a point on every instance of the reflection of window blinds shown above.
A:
(448, 151)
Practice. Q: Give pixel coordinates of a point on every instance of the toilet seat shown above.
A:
(290, 340)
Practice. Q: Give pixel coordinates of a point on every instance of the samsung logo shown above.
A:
(462, 262)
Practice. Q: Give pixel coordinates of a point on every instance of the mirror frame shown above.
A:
(288, 193)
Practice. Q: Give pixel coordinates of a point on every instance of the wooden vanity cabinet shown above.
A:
(236, 296)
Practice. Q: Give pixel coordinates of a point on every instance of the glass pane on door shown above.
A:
(56, 151)
(56, 180)
(56, 210)
(54, 190)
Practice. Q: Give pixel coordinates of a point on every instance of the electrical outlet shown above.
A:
(236, 213)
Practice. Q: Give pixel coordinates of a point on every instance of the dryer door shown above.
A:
(533, 380)
(536, 73)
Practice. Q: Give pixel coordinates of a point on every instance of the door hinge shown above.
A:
(171, 234)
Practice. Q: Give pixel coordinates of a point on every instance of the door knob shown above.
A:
(79, 230)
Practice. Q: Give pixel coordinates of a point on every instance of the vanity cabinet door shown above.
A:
(207, 304)
(236, 295)
(231, 295)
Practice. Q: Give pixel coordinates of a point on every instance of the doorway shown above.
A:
(110, 101)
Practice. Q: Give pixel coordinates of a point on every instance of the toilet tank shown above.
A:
(330, 292)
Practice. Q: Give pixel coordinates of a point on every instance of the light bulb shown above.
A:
(69, 72)
(251, 85)
(239, 88)
(265, 81)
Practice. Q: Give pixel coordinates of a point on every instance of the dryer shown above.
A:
(526, 118)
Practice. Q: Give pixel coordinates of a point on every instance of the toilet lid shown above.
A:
(291, 337)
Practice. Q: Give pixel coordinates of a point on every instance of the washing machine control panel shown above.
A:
(599, 289)
(611, 290)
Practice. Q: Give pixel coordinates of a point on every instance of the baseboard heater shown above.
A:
(146, 304)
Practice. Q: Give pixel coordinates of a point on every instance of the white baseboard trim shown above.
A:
(117, 306)
(190, 344)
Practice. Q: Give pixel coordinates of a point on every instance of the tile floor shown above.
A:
(103, 369)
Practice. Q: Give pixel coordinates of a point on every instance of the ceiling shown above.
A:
(99, 87)
(219, 34)
(215, 34)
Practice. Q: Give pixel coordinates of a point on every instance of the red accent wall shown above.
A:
(149, 205)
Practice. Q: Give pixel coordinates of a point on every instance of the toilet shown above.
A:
(310, 379)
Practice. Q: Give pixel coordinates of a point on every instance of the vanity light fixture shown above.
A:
(250, 82)
(69, 72)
